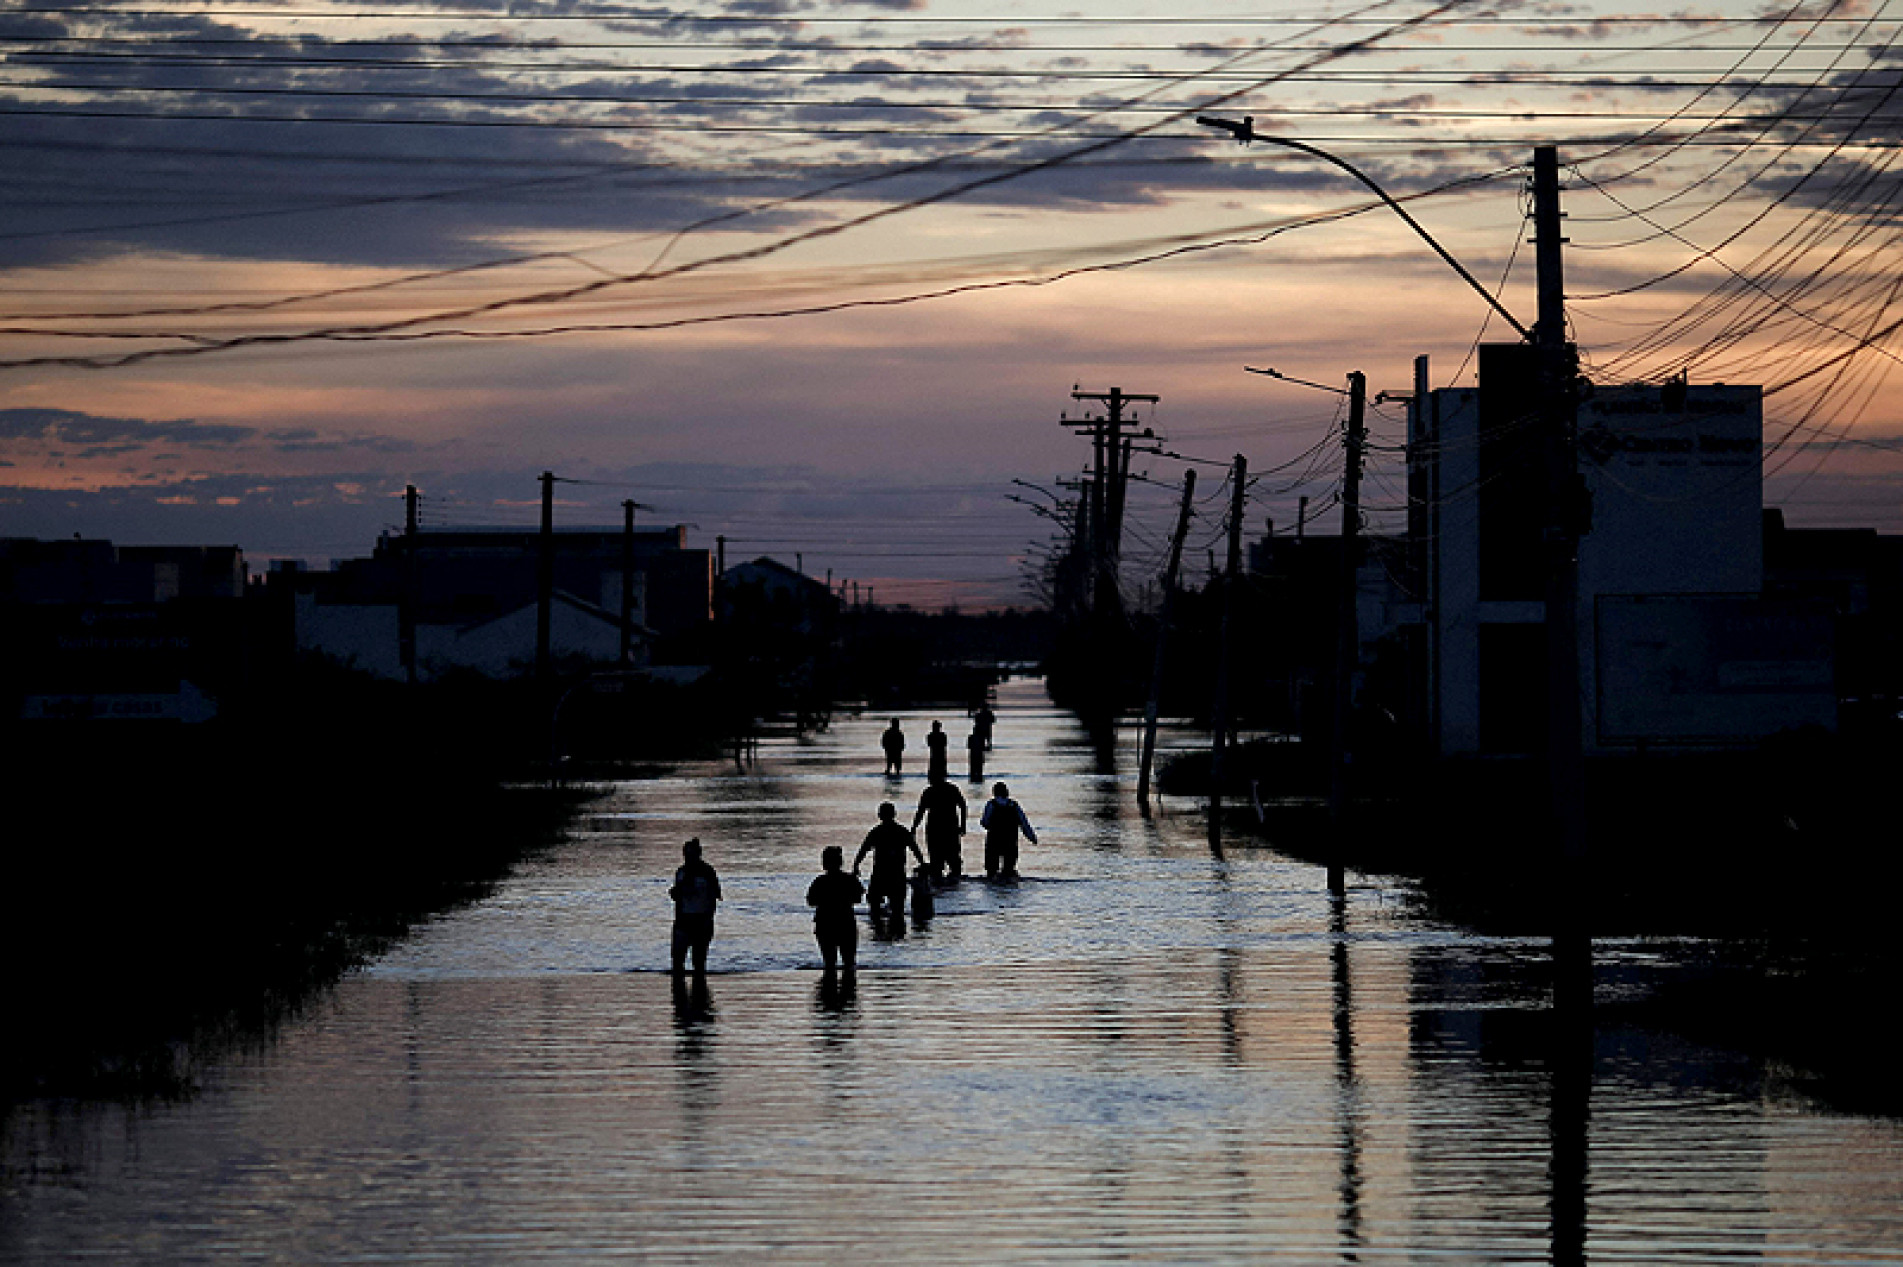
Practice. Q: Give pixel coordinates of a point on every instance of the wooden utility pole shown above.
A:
(1567, 513)
(1347, 622)
(1565, 500)
(1219, 711)
(1110, 471)
(545, 583)
(627, 581)
(1162, 639)
(406, 621)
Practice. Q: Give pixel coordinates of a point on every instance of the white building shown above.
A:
(1677, 645)
(367, 636)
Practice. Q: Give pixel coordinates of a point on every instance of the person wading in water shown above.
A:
(696, 891)
(1002, 820)
(887, 844)
(833, 896)
(941, 806)
(893, 741)
(938, 750)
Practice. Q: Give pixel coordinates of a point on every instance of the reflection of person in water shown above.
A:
(696, 891)
(887, 844)
(1002, 820)
(833, 896)
(937, 746)
(893, 741)
(975, 750)
(942, 808)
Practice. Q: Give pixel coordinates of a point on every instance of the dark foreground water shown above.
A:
(1142, 1052)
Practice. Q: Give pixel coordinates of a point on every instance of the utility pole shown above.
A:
(545, 583)
(627, 582)
(1301, 516)
(1347, 622)
(1110, 472)
(1162, 639)
(406, 626)
(1219, 712)
(1566, 515)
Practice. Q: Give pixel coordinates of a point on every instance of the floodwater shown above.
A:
(1145, 1051)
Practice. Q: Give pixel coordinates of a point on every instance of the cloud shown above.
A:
(116, 435)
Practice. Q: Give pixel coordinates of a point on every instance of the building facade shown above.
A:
(1679, 645)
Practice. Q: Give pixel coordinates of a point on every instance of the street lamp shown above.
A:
(1245, 132)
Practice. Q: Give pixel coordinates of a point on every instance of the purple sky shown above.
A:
(580, 181)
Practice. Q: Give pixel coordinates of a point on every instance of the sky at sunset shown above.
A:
(822, 278)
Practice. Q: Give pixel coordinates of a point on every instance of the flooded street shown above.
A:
(1143, 1051)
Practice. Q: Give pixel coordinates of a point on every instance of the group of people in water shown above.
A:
(837, 892)
(938, 746)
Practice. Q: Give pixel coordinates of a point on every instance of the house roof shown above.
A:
(579, 604)
(764, 563)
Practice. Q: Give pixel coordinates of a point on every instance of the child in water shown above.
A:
(832, 897)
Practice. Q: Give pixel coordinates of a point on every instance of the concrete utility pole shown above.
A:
(1162, 639)
(1219, 711)
(1347, 621)
(627, 582)
(545, 583)
(1566, 514)
(406, 621)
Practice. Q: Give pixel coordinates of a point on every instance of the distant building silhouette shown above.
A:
(475, 598)
(91, 631)
(766, 591)
(96, 571)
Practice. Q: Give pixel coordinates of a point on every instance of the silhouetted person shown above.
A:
(1002, 820)
(696, 891)
(938, 750)
(833, 896)
(942, 808)
(984, 719)
(887, 844)
(975, 752)
(893, 741)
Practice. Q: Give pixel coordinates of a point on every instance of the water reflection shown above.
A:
(1572, 1067)
(835, 995)
(1348, 1093)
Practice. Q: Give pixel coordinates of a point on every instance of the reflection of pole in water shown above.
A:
(1347, 1090)
(1572, 1054)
